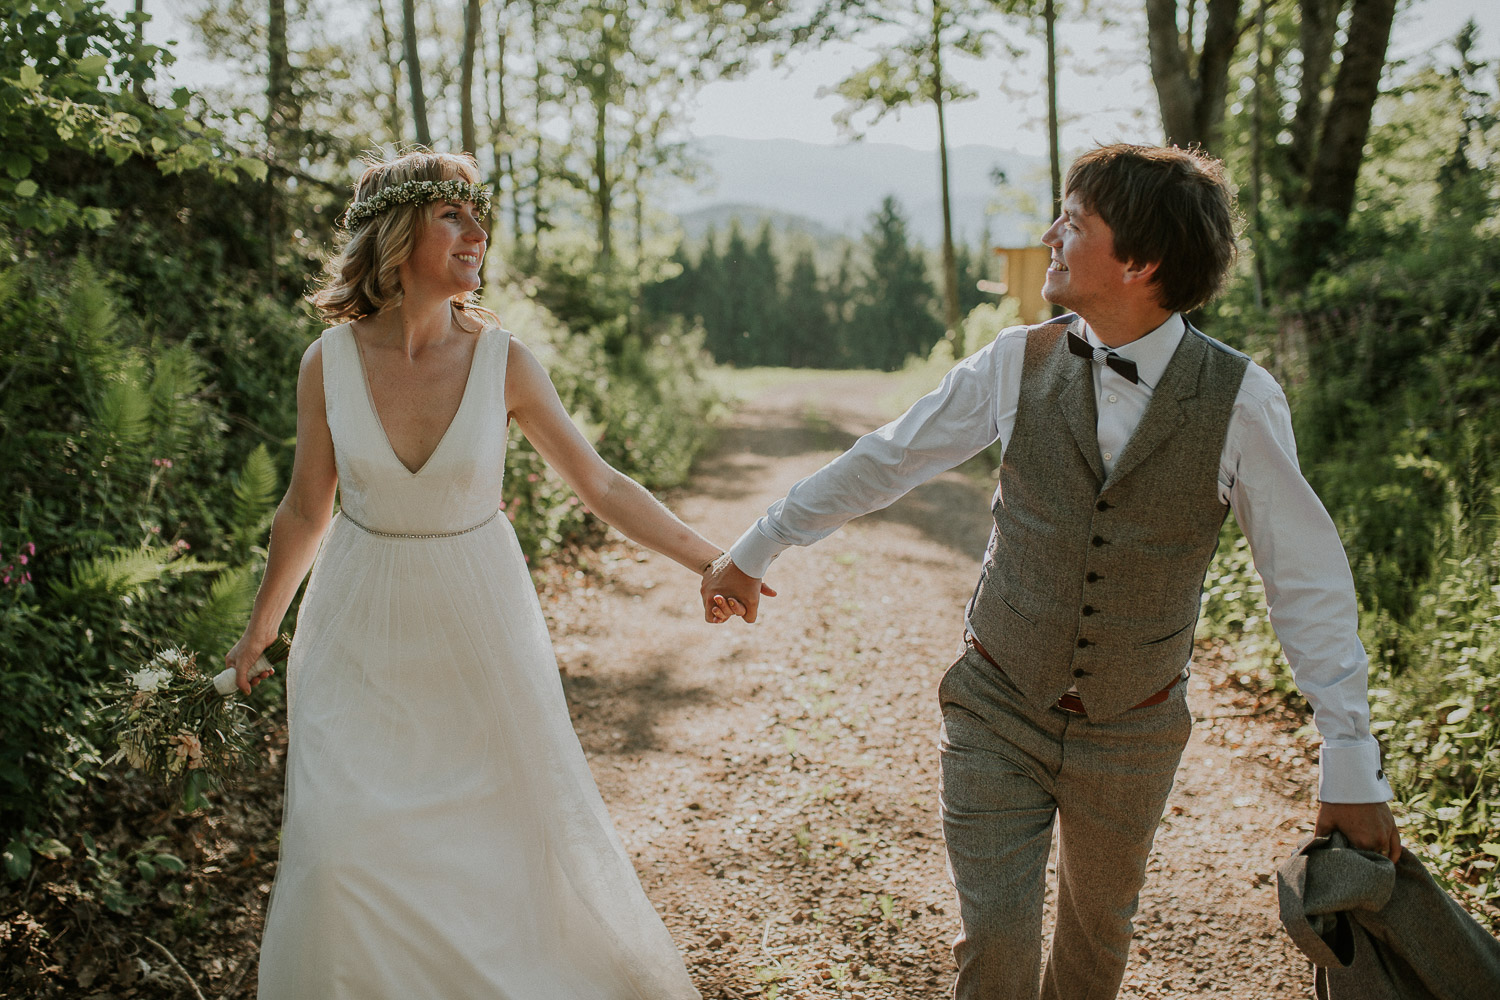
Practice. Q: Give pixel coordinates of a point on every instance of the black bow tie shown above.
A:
(1123, 367)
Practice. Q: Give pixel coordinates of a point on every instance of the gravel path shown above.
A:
(777, 783)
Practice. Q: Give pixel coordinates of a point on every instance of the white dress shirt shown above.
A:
(1309, 589)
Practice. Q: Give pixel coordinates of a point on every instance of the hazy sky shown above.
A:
(1105, 89)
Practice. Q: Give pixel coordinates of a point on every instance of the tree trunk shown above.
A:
(414, 71)
(137, 85)
(279, 110)
(396, 122)
(1316, 32)
(1257, 165)
(500, 138)
(953, 320)
(538, 213)
(1054, 139)
(603, 183)
(467, 130)
(1191, 86)
(1346, 127)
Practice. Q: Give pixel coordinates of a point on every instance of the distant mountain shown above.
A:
(838, 187)
(697, 223)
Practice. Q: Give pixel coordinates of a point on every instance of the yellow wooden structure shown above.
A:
(1024, 272)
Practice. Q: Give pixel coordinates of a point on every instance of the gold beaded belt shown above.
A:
(401, 534)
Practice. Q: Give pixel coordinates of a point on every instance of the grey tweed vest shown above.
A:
(1095, 581)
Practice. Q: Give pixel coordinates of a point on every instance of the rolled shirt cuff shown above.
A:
(754, 552)
(1352, 773)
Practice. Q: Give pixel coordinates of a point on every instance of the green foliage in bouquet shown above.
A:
(168, 720)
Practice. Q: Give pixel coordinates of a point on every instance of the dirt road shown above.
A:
(777, 783)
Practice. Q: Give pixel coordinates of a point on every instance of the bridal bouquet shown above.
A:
(170, 720)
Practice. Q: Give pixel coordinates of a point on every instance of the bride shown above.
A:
(442, 835)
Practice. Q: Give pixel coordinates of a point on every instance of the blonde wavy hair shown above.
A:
(362, 277)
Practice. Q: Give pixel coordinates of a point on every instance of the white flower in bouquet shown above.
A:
(167, 718)
(149, 680)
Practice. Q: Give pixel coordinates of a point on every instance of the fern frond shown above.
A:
(124, 572)
(175, 383)
(215, 624)
(87, 311)
(122, 413)
(116, 574)
(254, 496)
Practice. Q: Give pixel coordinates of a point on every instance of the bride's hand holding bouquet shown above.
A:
(250, 661)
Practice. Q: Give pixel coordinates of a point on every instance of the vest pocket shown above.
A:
(1014, 610)
(1173, 635)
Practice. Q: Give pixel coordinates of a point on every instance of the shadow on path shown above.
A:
(620, 713)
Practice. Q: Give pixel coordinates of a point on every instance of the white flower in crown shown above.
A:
(417, 193)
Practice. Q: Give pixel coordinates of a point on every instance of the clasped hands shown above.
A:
(728, 591)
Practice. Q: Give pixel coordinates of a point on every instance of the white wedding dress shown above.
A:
(442, 838)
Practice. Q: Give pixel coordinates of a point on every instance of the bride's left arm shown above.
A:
(621, 501)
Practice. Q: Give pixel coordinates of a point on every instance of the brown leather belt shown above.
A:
(1070, 702)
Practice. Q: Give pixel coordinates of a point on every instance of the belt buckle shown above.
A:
(1071, 704)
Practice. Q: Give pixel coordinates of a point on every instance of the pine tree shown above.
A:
(765, 322)
(841, 294)
(895, 317)
(734, 298)
(971, 271)
(809, 331)
(708, 299)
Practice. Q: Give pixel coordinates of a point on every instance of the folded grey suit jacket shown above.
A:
(1382, 931)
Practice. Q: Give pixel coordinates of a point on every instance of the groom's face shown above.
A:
(1084, 270)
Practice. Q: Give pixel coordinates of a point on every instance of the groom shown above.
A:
(1127, 436)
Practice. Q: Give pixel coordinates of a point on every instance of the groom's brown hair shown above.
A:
(1167, 206)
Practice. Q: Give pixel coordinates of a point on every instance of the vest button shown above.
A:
(1084, 644)
(1098, 541)
(1101, 506)
(1092, 577)
(1088, 609)
(1080, 672)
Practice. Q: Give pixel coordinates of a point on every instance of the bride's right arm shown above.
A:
(301, 519)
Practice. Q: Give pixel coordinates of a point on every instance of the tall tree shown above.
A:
(1317, 24)
(629, 65)
(1346, 125)
(468, 133)
(809, 335)
(894, 318)
(1054, 137)
(909, 71)
(707, 302)
(281, 120)
(1192, 77)
(390, 55)
(764, 320)
(414, 71)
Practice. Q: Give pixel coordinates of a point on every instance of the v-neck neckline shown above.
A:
(364, 378)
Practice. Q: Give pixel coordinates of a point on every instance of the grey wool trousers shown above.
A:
(1010, 773)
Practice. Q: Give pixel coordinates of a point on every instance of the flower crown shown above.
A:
(417, 193)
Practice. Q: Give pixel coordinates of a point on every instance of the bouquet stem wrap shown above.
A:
(276, 653)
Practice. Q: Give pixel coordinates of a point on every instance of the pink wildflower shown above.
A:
(31, 548)
(23, 559)
(531, 477)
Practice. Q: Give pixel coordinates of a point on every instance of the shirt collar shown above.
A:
(1151, 353)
